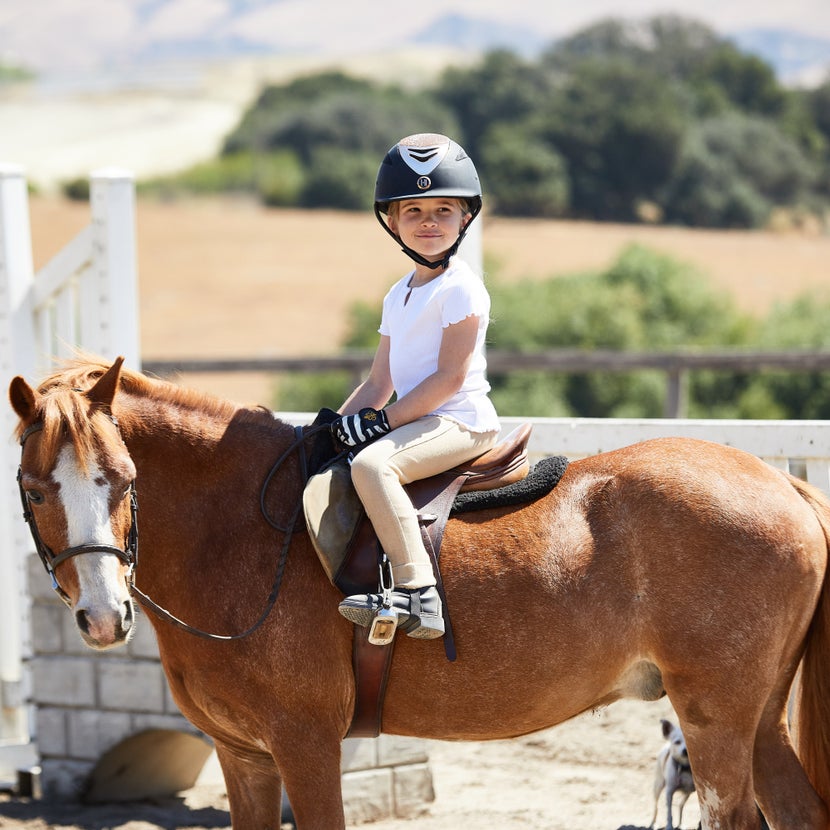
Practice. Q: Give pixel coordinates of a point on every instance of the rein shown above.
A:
(51, 560)
(288, 531)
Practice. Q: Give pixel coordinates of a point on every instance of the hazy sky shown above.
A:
(84, 33)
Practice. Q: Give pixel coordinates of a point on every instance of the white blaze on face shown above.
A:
(85, 499)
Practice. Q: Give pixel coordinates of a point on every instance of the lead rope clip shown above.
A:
(382, 629)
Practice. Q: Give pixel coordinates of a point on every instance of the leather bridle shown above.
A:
(128, 554)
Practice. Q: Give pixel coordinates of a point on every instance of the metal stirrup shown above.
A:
(382, 629)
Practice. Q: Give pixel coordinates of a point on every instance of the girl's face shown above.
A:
(429, 226)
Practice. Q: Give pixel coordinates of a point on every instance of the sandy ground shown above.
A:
(592, 773)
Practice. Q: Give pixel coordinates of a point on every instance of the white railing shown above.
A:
(85, 297)
(801, 447)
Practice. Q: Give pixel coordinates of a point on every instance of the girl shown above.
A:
(431, 355)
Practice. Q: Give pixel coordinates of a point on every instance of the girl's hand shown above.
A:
(354, 430)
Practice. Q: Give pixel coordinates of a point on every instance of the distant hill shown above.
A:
(111, 37)
(797, 59)
(478, 34)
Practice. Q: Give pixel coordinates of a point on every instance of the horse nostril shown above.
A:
(82, 621)
(128, 617)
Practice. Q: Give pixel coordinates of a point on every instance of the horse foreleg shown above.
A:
(310, 766)
(254, 789)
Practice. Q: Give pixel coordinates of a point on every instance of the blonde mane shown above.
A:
(64, 411)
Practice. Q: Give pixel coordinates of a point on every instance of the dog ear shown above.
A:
(668, 727)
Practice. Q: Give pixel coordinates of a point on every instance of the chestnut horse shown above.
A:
(672, 566)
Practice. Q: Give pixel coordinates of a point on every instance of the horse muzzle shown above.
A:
(105, 625)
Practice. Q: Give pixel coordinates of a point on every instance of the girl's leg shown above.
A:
(414, 451)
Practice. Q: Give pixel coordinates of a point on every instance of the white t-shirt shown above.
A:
(415, 328)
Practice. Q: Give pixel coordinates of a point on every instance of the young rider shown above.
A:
(431, 356)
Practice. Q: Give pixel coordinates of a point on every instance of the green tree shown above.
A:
(620, 130)
(502, 89)
(817, 103)
(803, 323)
(522, 175)
(733, 170)
(669, 45)
(15, 74)
(268, 113)
(747, 81)
(643, 301)
(339, 179)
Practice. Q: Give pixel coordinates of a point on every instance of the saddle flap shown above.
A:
(333, 514)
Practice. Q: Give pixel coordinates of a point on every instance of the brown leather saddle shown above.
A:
(504, 464)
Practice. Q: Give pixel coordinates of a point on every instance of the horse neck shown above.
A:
(182, 451)
(165, 423)
(199, 480)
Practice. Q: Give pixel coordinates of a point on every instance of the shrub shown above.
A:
(76, 189)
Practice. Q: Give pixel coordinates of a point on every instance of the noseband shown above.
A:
(50, 560)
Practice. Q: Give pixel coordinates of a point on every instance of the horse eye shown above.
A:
(35, 496)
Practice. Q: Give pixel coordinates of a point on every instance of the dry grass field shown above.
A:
(228, 278)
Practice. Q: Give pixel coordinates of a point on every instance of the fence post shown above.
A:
(109, 304)
(471, 249)
(18, 355)
(675, 404)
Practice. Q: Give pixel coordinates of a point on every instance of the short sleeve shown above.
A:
(463, 298)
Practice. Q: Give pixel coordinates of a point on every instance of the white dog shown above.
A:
(673, 772)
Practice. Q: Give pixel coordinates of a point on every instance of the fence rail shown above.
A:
(675, 364)
(799, 447)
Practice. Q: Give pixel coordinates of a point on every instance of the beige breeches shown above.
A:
(380, 470)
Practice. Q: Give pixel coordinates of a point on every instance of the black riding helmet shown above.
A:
(421, 166)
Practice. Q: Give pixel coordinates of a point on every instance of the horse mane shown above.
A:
(65, 412)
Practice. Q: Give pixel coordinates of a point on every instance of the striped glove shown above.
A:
(355, 430)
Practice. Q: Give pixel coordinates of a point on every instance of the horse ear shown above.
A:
(104, 390)
(23, 398)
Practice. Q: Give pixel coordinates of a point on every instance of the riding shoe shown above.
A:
(418, 610)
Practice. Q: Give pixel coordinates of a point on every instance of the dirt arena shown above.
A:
(227, 278)
(592, 773)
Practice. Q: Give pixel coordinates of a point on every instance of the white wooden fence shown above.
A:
(801, 447)
(86, 297)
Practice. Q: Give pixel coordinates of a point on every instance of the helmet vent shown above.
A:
(423, 155)
(423, 160)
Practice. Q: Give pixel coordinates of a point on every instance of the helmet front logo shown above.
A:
(424, 183)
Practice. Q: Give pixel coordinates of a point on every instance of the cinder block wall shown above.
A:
(87, 702)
